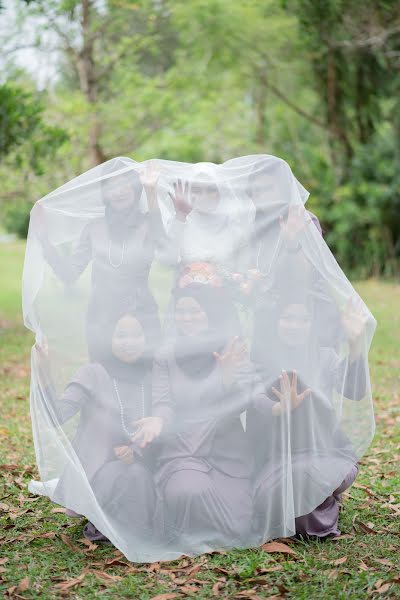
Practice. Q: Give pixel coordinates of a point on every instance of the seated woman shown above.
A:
(307, 458)
(111, 395)
(205, 462)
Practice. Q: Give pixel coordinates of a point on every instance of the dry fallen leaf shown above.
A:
(193, 570)
(70, 583)
(164, 597)
(48, 534)
(91, 546)
(70, 543)
(251, 594)
(331, 573)
(114, 561)
(271, 569)
(271, 547)
(105, 577)
(12, 468)
(189, 589)
(257, 581)
(222, 570)
(383, 588)
(383, 561)
(338, 561)
(366, 528)
(10, 592)
(216, 588)
(23, 585)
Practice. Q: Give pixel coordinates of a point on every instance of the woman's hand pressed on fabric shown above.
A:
(180, 199)
(233, 357)
(149, 178)
(288, 397)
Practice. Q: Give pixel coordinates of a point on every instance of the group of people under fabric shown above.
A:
(186, 431)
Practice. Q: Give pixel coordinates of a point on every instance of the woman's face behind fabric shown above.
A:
(294, 324)
(205, 197)
(128, 341)
(120, 192)
(190, 317)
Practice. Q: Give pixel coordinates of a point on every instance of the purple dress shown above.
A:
(121, 264)
(205, 460)
(288, 442)
(125, 492)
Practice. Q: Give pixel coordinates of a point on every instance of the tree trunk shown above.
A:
(89, 84)
(333, 115)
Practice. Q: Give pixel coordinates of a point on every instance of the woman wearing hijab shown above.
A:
(208, 224)
(121, 246)
(111, 395)
(205, 463)
(308, 460)
(275, 247)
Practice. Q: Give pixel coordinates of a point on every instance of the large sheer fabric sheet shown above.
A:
(200, 372)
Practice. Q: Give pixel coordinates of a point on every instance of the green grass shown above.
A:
(36, 542)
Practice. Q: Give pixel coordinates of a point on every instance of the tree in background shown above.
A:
(313, 82)
(25, 141)
(93, 39)
(22, 125)
(355, 55)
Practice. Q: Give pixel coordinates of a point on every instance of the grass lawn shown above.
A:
(43, 554)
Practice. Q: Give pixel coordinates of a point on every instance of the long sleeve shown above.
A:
(161, 391)
(171, 249)
(246, 391)
(350, 378)
(156, 227)
(68, 269)
(71, 401)
(75, 396)
(252, 391)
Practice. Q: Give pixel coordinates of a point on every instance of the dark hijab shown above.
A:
(118, 369)
(195, 354)
(273, 353)
(120, 223)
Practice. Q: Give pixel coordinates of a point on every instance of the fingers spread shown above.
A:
(278, 394)
(294, 381)
(304, 394)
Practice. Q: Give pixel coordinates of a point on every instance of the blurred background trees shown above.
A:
(313, 81)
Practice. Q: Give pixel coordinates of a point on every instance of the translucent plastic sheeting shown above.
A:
(200, 373)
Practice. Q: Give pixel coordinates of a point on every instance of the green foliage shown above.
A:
(46, 547)
(362, 216)
(205, 81)
(21, 121)
(16, 218)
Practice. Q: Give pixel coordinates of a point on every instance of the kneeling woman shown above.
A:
(111, 395)
(204, 462)
(306, 457)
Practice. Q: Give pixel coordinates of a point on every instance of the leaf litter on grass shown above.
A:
(46, 557)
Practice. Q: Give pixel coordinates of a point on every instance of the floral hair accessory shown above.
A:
(200, 272)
